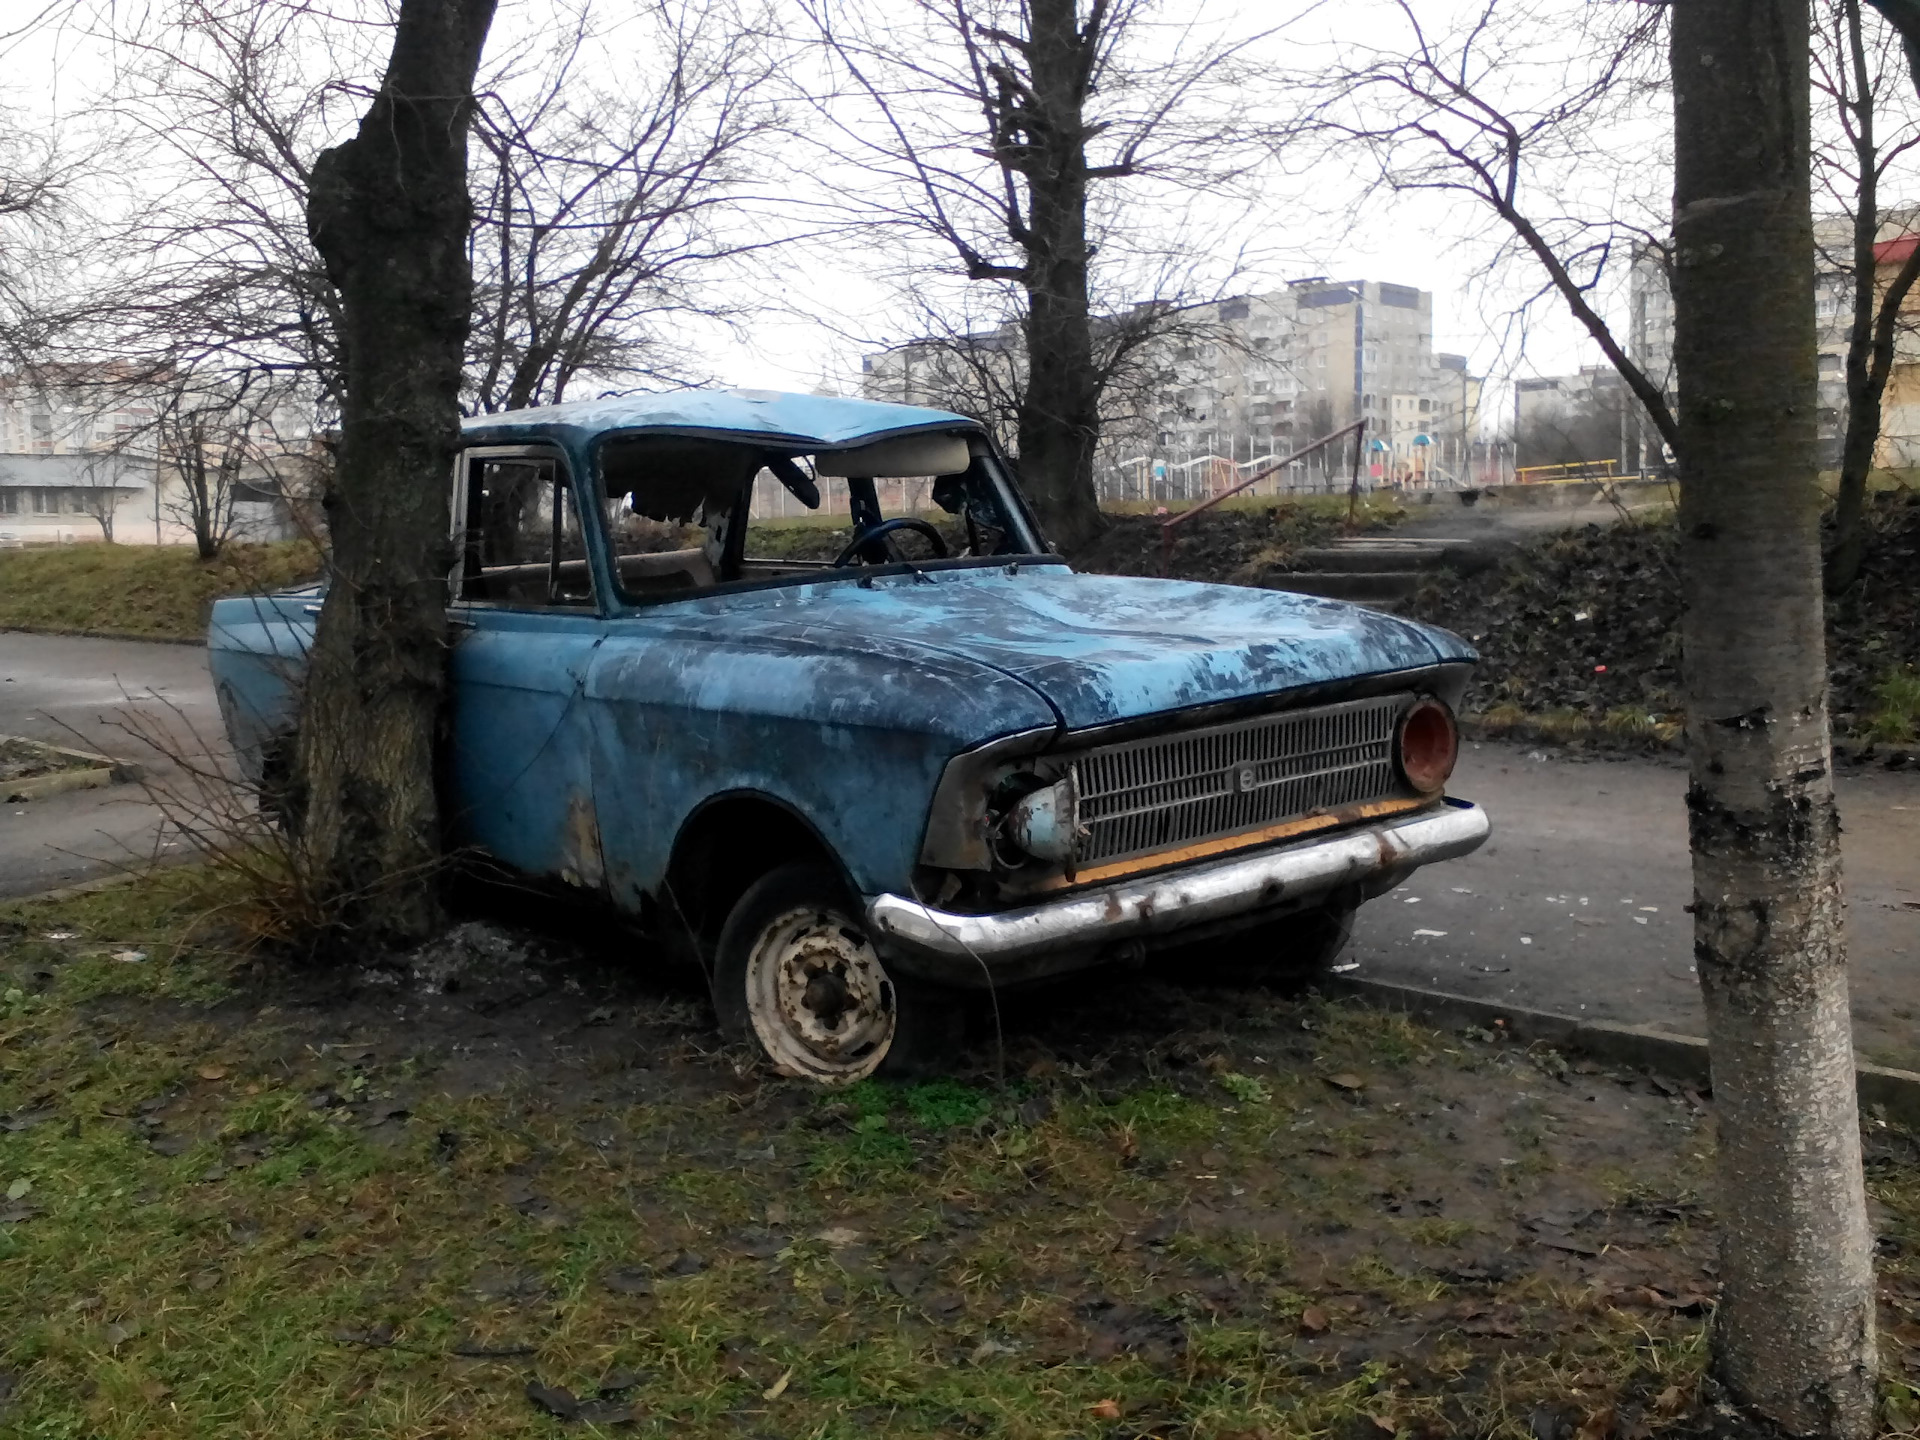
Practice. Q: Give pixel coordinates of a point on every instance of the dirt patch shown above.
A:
(28, 759)
(1579, 633)
(1229, 544)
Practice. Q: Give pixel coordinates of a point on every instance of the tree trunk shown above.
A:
(1794, 1332)
(389, 214)
(1059, 416)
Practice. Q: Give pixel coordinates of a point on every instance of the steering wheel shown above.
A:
(887, 527)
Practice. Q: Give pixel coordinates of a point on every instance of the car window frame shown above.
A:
(566, 478)
(1000, 471)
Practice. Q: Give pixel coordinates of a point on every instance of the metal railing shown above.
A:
(1357, 429)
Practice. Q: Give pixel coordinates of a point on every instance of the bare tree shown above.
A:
(100, 493)
(389, 212)
(605, 214)
(1851, 72)
(1012, 134)
(214, 437)
(1466, 111)
(1794, 1331)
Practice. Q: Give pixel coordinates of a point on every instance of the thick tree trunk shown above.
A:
(389, 213)
(1794, 1333)
(1059, 419)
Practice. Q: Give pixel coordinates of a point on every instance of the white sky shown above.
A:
(1437, 243)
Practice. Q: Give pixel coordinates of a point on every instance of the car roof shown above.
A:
(802, 424)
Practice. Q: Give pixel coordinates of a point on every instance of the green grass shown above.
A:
(941, 1252)
(142, 592)
(1896, 716)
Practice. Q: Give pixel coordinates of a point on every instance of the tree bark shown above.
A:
(389, 213)
(1059, 414)
(1794, 1332)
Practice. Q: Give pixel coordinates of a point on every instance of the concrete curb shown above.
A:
(1892, 1094)
(199, 640)
(100, 770)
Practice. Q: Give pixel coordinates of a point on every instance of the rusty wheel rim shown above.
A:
(820, 1001)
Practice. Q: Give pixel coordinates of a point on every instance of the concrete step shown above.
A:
(1468, 556)
(1368, 587)
(1383, 555)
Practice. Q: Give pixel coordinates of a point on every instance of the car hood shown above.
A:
(1101, 648)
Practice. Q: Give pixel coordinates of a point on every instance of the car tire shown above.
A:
(796, 975)
(1294, 950)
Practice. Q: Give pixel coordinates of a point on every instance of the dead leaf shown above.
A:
(1314, 1321)
(1597, 1426)
(778, 1387)
(212, 1072)
(1104, 1410)
(1493, 1327)
(838, 1237)
(1346, 1080)
(1670, 1400)
(553, 1400)
(1383, 1424)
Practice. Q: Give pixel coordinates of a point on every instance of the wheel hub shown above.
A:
(819, 998)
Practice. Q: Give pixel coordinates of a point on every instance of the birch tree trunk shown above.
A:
(389, 213)
(1794, 1333)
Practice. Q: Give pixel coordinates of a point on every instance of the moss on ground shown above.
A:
(139, 592)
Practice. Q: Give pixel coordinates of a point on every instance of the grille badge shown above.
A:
(1245, 778)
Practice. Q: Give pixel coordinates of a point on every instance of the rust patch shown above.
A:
(581, 863)
(1207, 849)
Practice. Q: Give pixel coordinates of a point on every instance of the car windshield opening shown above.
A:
(686, 514)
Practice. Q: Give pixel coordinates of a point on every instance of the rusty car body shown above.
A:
(851, 788)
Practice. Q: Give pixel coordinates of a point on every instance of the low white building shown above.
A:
(48, 499)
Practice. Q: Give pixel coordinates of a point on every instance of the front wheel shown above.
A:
(795, 972)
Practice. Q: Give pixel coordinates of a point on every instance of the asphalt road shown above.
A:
(84, 693)
(1574, 905)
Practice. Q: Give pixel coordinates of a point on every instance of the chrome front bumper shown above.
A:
(1366, 861)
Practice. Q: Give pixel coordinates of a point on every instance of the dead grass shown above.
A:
(140, 592)
(241, 1207)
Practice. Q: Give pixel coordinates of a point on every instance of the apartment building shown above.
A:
(1243, 380)
(1650, 335)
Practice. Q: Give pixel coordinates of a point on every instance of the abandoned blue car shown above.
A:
(940, 761)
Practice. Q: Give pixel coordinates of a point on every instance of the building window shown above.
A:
(1261, 387)
(9, 502)
(46, 502)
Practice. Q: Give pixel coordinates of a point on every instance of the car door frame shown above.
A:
(575, 857)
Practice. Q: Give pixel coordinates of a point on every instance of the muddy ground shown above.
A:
(518, 1186)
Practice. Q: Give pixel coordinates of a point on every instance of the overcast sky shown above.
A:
(1437, 243)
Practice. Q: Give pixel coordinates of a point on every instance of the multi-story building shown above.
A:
(1650, 335)
(1245, 380)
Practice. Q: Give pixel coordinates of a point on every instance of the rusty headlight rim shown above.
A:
(1426, 745)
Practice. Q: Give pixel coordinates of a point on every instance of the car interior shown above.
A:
(677, 511)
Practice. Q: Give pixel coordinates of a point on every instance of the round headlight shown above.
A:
(1045, 823)
(1427, 745)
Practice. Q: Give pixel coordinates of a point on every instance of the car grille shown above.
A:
(1147, 795)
